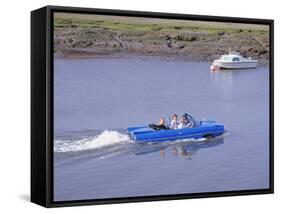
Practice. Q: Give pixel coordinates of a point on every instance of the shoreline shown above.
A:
(90, 54)
(90, 36)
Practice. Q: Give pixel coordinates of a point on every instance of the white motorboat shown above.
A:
(235, 61)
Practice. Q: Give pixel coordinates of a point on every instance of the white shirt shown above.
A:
(183, 125)
(174, 124)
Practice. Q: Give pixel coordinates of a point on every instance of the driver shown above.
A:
(183, 122)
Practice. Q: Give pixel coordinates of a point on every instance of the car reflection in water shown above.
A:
(184, 150)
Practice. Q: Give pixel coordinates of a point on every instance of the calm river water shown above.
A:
(95, 100)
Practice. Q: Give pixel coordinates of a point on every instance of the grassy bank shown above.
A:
(77, 35)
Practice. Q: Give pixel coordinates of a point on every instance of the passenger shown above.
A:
(174, 122)
(183, 122)
(160, 125)
(161, 122)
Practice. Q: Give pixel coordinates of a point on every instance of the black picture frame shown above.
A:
(42, 105)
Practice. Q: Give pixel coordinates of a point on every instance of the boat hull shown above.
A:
(236, 65)
(204, 129)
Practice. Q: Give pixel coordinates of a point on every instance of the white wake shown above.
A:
(106, 139)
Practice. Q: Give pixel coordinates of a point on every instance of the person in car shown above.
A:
(160, 125)
(174, 122)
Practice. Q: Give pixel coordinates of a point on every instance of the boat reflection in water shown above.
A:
(181, 149)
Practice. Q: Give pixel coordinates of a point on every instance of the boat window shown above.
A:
(235, 59)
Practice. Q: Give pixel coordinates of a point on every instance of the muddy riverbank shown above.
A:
(77, 36)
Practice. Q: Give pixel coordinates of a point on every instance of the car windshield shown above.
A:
(190, 118)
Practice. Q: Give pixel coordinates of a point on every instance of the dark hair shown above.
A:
(186, 117)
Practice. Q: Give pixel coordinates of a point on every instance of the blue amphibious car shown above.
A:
(199, 129)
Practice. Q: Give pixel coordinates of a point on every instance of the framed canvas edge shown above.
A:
(49, 108)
